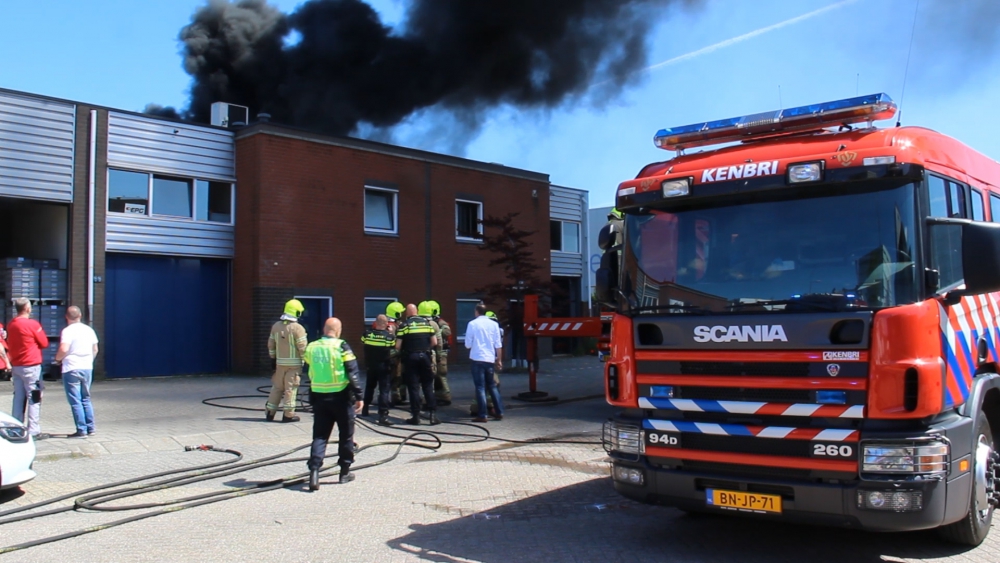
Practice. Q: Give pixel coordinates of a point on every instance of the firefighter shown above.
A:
(415, 339)
(441, 389)
(286, 345)
(379, 342)
(394, 311)
(424, 310)
(335, 395)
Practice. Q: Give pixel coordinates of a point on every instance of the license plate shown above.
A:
(744, 502)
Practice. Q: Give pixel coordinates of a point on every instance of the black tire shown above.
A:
(973, 528)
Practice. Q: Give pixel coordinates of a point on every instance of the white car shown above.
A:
(17, 453)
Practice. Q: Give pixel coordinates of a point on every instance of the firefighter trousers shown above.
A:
(418, 376)
(329, 409)
(441, 388)
(284, 388)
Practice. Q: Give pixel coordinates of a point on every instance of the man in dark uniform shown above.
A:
(379, 343)
(335, 395)
(415, 339)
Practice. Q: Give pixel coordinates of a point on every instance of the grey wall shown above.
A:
(36, 148)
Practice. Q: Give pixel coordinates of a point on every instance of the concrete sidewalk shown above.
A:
(167, 413)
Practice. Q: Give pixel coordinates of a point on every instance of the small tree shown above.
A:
(511, 249)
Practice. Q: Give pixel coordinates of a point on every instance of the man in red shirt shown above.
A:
(25, 340)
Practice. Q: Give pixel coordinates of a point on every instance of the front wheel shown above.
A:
(972, 529)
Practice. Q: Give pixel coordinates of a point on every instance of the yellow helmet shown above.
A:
(294, 308)
(435, 308)
(395, 310)
(424, 309)
(491, 315)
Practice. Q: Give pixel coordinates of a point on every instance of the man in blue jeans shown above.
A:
(482, 338)
(77, 348)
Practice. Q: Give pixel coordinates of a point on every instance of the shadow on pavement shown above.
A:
(590, 522)
(8, 495)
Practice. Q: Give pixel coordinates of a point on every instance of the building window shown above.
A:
(381, 210)
(128, 192)
(141, 193)
(171, 196)
(465, 311)
(214, 201)
(564, 236)
(468, 220)
(375, 306)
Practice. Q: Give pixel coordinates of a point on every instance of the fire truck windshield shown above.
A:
(848, 249)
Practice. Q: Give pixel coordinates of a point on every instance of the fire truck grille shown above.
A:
(763, 369)
(758, 395)
(786, 369)
(746, 445)
(744, 471)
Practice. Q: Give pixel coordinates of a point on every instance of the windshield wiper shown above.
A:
(692, 309)
(811, 301)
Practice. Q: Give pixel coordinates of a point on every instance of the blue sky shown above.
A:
(125, 54)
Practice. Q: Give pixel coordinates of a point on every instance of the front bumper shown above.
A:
(15, 463)
(819, 499)
(817, 503)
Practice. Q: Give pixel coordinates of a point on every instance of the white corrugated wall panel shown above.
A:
(176, 238)
(155, 145)
(566, 204)
(36, 148)
(567, 264)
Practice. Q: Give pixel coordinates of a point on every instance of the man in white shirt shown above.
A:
(77, 348)
(485, 344)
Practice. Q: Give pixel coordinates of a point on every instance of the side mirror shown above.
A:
(965, 251)
(608, 236)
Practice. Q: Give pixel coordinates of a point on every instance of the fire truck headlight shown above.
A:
(891, 501)
(628, 475)
(622, 438)
(676, 188)
(927, 458)
(808, 172)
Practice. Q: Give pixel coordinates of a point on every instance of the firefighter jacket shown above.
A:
(287, 343)
(416, 333)
(379, 345)
(444, 336)
(332, 367)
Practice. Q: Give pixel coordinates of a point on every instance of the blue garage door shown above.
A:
(166, 315)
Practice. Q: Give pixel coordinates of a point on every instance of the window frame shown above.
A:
(459, 330)
(232, 201)
(370, 320)
(479, 221)
(562, 236)
(193, 183)
(395, 212)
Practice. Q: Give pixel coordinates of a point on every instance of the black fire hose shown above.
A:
(95, 497)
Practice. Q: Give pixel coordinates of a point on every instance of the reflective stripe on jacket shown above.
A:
(287, 343)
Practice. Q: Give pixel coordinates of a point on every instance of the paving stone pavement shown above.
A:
(492, 501)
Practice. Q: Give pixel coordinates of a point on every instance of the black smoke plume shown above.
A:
(463, 57)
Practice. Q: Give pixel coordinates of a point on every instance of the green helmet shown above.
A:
(492, 315)
(395, 310)
(435, 308)
(294, 308)
(424, 309)
(615, 214)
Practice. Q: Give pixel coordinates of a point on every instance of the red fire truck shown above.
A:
(806, 323)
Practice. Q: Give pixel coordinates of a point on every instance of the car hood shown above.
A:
(4, 417)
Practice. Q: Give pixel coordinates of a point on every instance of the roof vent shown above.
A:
(227, 115)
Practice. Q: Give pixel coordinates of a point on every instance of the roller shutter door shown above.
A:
(166, 315)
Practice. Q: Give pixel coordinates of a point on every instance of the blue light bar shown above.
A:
(841, 112)
(831, 397)
(661, 391)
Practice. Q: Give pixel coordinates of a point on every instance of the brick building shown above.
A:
(348, 225)
(181, 241)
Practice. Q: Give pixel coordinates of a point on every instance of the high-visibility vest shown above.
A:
(326, 358)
